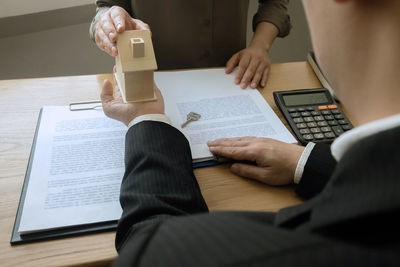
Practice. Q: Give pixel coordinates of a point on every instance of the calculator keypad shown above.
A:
(319, 123)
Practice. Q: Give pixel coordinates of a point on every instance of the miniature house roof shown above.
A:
(135, 51)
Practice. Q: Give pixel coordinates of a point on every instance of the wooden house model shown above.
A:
(135, 66)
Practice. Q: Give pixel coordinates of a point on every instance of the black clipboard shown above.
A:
(16, 238)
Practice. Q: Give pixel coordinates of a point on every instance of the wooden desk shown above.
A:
(20, 102)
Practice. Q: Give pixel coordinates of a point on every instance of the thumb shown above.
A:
(107, 93)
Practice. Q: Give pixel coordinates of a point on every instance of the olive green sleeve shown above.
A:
(102, 6)
(275, 12)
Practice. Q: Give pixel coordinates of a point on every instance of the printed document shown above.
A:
(76, 171)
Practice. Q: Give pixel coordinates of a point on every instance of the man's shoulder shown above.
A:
(380, 147)
(365, 181)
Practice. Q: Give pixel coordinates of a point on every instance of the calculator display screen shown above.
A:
(305, 99)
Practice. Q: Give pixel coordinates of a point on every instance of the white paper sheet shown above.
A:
(76, 171)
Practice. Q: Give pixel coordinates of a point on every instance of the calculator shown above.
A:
(313, 114)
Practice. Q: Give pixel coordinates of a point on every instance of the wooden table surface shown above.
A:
(20, 103)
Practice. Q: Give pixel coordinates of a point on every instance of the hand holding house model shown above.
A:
(135, 66)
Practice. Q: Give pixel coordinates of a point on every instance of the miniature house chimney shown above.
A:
(137, 47)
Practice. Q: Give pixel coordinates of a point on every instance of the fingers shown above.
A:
(276, 161)
(104, 43)
(237, 141)
(253, 67)
(236, 153)
(232, 63)
(248, 75)
(243, 64)
(118, 17)
(265, 77)
(113, 22)
(257, 76)
(233, 148)
(106, 34)
(108, 26)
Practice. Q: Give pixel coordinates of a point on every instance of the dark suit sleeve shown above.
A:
(158, 182)
(317, 171)
(350, 224)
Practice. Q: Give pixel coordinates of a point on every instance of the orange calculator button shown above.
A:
(322, 107)
(332, 107)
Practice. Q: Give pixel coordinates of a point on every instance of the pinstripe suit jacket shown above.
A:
(165, 221)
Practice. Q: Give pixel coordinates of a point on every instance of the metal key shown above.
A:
(192, 116)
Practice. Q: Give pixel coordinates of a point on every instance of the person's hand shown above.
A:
(276, 161)
(114, 107)
(254, 65)
(115, 20)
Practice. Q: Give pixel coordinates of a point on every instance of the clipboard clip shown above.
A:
(78, 106)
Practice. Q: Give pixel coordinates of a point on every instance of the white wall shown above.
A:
(57, 52)
(9, 8)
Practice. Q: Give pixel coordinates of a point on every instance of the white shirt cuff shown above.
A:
(150, 117)
(302, 162)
